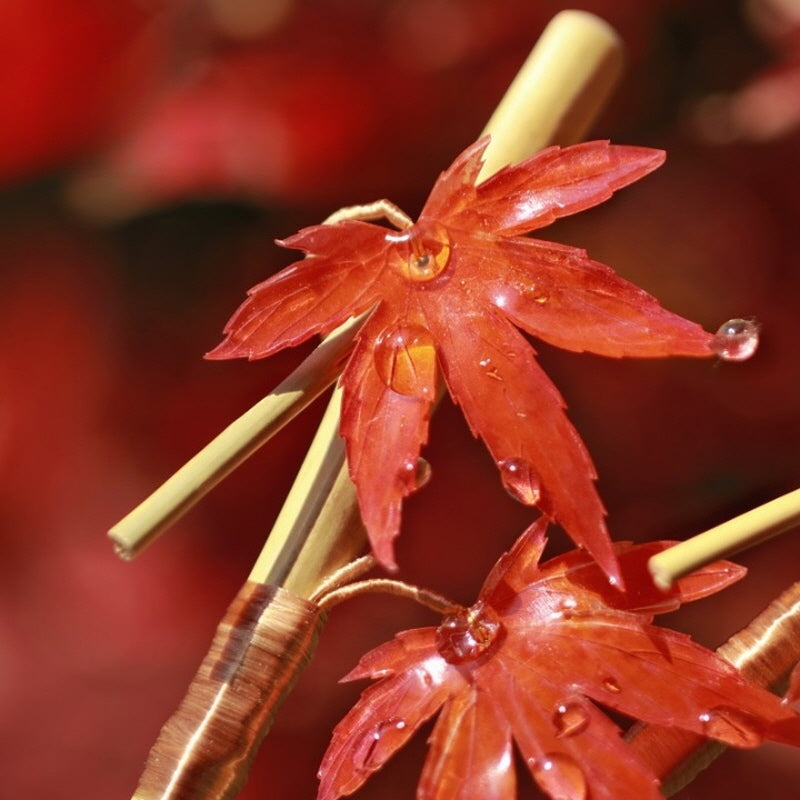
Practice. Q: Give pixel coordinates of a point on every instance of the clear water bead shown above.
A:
(377, 745)
(414, 474)
(520, 480)
(420, 253)
(570, 718)
(468, 634)
(560, 777)
(736, 340)
(405, 360)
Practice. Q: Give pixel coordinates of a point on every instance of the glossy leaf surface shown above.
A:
(448, 296)
(529, 663)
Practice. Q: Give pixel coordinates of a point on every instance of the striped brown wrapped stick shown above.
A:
(264, 641)
(765, 651)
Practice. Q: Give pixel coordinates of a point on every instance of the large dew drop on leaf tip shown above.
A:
(732, 726)
(736, 340)
(560, 776)
(405, 360)
(420, 254)
(468, 634)
(520, 480)
(570, 718)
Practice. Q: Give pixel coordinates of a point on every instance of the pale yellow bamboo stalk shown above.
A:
(319, 528)
(739, 533)
(232, 446)
(559, 91)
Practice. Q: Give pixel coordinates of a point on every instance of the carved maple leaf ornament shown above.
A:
(448, 295)
(528, 663)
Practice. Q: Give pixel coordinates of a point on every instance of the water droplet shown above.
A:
(377, 745)
(611, 685)
(570, 718)
(420, 253)
(736, 340)
(405, 359)
(468, 634)
(414, 475)
(520, 480)
(559, 776)
(732, 726)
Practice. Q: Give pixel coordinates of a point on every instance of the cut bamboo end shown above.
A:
(237, 442)
(740, 533)
(559, 91)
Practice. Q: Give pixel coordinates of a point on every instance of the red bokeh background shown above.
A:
(150, 151)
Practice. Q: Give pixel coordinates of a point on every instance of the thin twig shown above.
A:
(347, 574)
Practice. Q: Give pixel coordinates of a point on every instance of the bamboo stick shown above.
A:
(232, 446)
(733, 536)
(559, 91)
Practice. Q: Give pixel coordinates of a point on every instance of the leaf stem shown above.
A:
(739, 533)
(425, 597)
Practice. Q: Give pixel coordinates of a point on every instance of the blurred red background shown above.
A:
(150, 151)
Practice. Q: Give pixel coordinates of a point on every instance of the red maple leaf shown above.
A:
(525, 663)
(449, 293)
